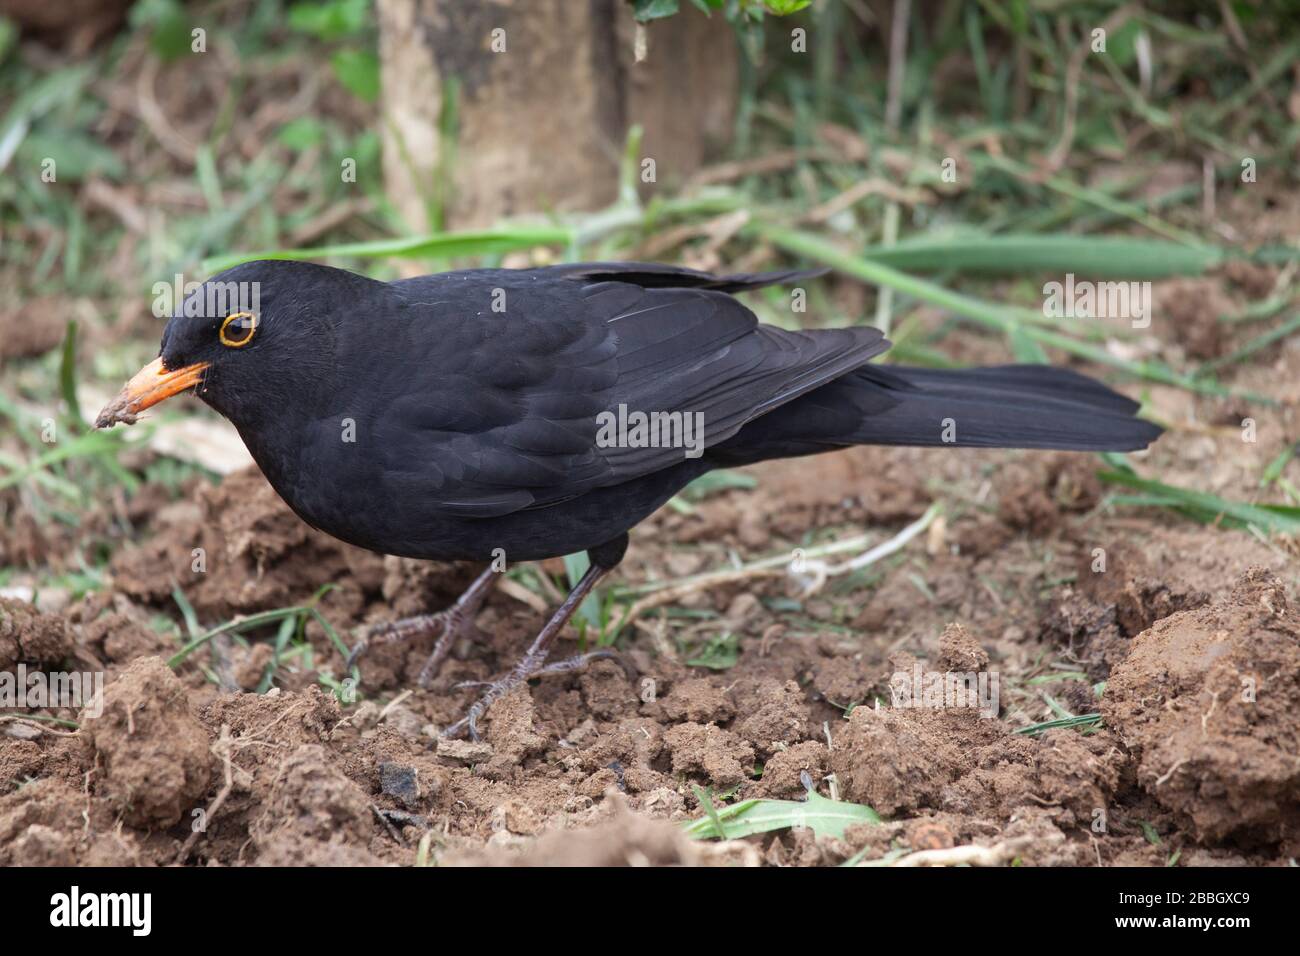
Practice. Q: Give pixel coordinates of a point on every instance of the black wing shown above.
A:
(506, 417)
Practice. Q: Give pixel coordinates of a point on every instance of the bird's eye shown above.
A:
(237, 330)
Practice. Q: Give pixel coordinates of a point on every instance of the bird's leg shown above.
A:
(452, 622)
(533, 663)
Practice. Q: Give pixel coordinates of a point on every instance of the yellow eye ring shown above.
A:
(245, 324)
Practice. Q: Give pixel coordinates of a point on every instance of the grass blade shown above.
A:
(1101, 257)
(1082, 720)
(1002, 318)
(825, 817)
(447, 245)
(68, 374)
(1205, 507)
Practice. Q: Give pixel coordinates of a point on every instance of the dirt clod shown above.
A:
(153, 752)
(723, 758)
(783, 772)
(315, 815)
(29, 635)
(1209, 702)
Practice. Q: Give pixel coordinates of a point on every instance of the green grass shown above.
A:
(1200, 506)
(451, 245)
(290, 640)
(826, 818)
(1086, 722)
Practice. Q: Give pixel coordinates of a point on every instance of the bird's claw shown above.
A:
(355, 654)
(525, 670)
(446, 623)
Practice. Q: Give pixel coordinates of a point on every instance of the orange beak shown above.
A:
(147, 388)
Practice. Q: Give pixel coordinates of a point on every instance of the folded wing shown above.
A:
(510, 415)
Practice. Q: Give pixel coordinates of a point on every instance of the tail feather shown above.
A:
(1007, 381)
(1006, 406)
(1009, 406)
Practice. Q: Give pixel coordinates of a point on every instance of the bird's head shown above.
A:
(248, 341)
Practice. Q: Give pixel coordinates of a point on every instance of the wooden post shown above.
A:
(543, 94)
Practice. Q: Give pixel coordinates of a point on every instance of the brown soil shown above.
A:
(1208, 704)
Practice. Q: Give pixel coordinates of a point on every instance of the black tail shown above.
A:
(1003, 406)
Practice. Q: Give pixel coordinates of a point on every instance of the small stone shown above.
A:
(404, 720)
(466, 751)
(520, 818)
(23, 731)
(399, 782)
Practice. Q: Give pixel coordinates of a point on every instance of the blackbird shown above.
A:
(532, 413)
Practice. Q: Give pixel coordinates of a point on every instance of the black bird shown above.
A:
(452, 415)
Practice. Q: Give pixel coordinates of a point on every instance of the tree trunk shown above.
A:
(495, 109)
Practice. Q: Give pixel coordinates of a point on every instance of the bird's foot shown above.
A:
(529, 666)
(451, 624)
(448, 624)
